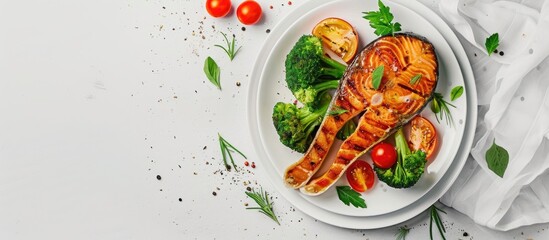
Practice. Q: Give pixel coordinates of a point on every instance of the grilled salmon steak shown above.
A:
(391, 105)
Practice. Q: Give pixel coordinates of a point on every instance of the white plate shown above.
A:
(389, 205)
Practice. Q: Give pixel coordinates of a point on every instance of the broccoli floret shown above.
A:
(408, 168)
(295, 126)
(309, 72)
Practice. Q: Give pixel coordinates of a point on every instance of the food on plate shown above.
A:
(423, 136)
(360, 176)
(339, 36)
(408, 168)
(249, 12)
(218, 8)
(386, 109)
(346, 130)
(383, 155)
(309, 72)
(295, 126)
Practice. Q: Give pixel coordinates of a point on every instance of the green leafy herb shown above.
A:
(381, 20)
(436, 218)
(212, 72)
(497, 159)
(265, 205)
(415, 79)
(439, 106)
(230, 49)
(492, 43)
(226, 149)
(336, 110)
(376, 76)
(346, 131)
(402, 232)
(349, 196)
(456, 92)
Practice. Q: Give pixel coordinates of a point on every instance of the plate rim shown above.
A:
(400, 215)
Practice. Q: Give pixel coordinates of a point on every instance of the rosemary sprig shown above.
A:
(230, 49)
(436, 218)
(226, 149)
(439, 106)
(265, 206)
(402, 232)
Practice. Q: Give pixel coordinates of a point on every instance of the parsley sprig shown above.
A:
(230, 49)
(265, 205)
(381, 20)
(226, 149)
(349, 196)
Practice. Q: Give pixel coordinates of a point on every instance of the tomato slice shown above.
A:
(423, 136)
(339, 36)
(360, 176)
(384, 155)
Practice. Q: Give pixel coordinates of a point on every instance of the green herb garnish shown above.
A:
(376, 76)
(497, 159)
(456, 92)
(336, 110)
(381, 20)
(212, 72)
(436, 218)
(226, 149)
(402, 232)
(439, 106)
(415, 79)
(349, 196)
(492, 43)
(347, 130)
(265, 206)
(230, 49)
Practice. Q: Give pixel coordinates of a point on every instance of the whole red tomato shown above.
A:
(249, 12)
(218, 8)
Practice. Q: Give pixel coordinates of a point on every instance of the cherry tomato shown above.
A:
(423, 136)
(360, 176)
(218, 8)
(384, 155)
(249, 12)
(339, 36)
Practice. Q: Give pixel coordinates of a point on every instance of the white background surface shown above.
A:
(97, 98)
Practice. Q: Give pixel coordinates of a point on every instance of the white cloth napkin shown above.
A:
(513, 94)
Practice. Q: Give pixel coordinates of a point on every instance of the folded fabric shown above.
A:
(513, 96)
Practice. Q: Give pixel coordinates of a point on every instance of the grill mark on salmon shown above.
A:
(392, 105)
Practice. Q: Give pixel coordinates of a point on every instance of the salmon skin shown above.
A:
(393, 104)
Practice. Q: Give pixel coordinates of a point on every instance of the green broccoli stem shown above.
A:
(326, 85)
(333, 63)
(401, 145)
(312, 119)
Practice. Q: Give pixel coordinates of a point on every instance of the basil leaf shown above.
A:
(337, 111)
(497, 159)
(415, 79)
(456, 92)
(350, 196)
(212, 71)
(376, 76)
(492, 43)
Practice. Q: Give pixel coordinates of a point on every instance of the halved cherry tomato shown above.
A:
(249, 12)
(360, 176)
(218, 8)
(384, 155)
(423, 136)
(339, 36)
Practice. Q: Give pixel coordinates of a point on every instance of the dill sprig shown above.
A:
(436, 218)
(439, 106)
(265, 206)
(402, 232)
(230, 49)
(226, 149)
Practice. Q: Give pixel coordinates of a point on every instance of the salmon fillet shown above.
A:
(392, 105)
